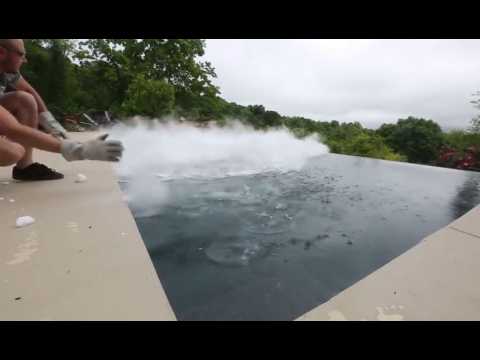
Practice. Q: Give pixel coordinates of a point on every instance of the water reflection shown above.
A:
(467, 196)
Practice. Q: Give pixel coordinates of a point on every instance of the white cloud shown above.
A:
(371, 81)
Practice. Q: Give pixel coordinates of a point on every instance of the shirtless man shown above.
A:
(22, 110)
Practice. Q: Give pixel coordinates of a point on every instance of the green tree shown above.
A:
(152, 98)
(371, 146)
(460, 140)
(174, 61)
(51, 72)
(36, 69)
(94, 87)
(272, 119)
(256, 110)
(236, 111)
(418, 139)
(386, 130)
(201, 107)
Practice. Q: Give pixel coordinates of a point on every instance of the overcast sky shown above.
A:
(370, 81)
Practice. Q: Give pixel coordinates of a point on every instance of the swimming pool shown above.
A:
(274, 245)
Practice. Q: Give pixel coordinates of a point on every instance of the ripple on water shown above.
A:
(236, 252)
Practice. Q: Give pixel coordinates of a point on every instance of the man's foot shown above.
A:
(35, 172)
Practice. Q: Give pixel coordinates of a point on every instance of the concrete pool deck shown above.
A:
(84, 259)
(435, 280)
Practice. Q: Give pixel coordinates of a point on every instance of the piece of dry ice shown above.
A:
(24, 221)
(80, 178)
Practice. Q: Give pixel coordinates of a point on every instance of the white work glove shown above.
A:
(51, 125)
(96, 149)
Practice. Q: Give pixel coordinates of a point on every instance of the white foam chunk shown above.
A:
(24, 221)
(80, 178)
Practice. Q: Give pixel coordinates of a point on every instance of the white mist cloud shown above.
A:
(159, 151)
(370, 81)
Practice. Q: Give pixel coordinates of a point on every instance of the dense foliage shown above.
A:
(156, 77)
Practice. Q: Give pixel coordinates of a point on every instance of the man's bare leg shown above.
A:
(23, 107)
(19, 125)
(10, 152)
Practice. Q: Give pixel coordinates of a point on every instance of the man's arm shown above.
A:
(96, 149)
(24, 135)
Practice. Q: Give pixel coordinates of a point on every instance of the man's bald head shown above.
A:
(11, 42)
(12, 55)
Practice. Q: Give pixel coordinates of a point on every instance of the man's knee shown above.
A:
(18, 100)
(12, 154)
(26, 100)
(23, 106)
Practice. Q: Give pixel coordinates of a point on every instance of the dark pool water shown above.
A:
(272, 246)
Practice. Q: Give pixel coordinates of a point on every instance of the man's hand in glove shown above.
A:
(97, 149)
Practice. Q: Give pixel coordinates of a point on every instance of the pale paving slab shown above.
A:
(83, 258)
